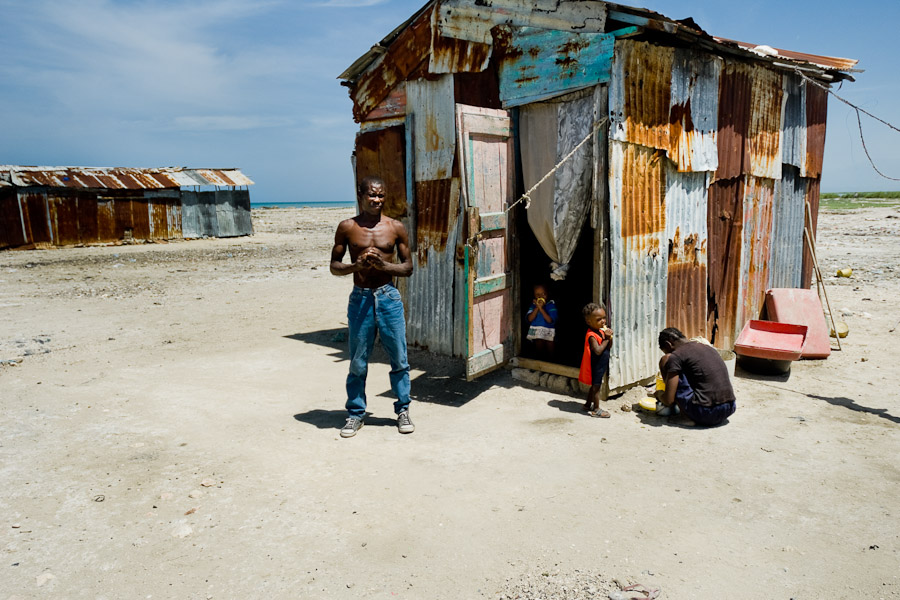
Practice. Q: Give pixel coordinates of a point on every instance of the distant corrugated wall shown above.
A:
(786, 246)
(637, 182)
(687, 254)
(757, 232)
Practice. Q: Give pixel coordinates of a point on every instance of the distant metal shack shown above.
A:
(690, 197)
(63, 206)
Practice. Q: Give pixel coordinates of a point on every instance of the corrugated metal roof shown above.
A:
(788, 215)
(120, 178)
(694, 113)
(764, 135)
(640, 94)
(638, 261)
(826, 62)
(757, 231)
(687, 261)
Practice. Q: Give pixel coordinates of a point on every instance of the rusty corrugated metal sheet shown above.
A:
(406, 52)
(686, 286)
(816, 113)
(725, 222)
(732, 140)
(640, 94)
(431, 106)
(694, 114)
(794, 126)
(430, 294)
(826, 62)
(454, 55)
(63, 219)
(383, 153)
(119, 178)
(36, 216)
(812, 199)
(637, 181)
(11, 233)
(757, 231)
(764, 135)
(392, 106)
(786, 245)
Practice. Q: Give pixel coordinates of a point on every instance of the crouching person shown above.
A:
(696, 379)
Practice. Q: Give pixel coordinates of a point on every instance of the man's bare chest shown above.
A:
(381, 236)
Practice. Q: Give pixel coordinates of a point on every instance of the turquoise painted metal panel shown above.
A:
(694, 113)
(541, 64)
(637, 296)
(788, 214)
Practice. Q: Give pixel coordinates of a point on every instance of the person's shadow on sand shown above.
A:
(334, 419)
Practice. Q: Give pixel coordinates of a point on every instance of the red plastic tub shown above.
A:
(769, 348)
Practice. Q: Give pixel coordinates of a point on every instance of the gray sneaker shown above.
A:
(352, 425)
(404, 424)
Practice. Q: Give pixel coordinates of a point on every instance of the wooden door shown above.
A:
(488, 183)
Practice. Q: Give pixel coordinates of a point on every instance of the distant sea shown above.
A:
(351, 204)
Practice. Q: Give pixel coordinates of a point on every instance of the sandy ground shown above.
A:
(170, 430)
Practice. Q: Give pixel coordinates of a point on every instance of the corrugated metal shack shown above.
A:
(63, 206)
(686, 206)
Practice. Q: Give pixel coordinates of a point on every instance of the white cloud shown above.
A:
(346, 3)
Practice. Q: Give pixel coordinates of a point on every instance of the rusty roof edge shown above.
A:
(827, 63)
(179, 175)
(351, 73)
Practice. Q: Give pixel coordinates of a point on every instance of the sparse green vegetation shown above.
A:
(851, 200)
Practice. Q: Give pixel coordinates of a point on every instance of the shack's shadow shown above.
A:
(852, 405)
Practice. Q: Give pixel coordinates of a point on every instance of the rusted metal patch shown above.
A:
(406, 53)
(392, 106)
(757, 231)
(383, 153)
(63, 219)
(121, 178)
(434, 201)
(640, 94)
(812, 198)
(725, 222)
(11, 233)
(455, 55)
(693, 115)
(140, 219)
(816, 113)
(764, 135)
(735, 90)
(686, 212)
(641, 179)
(36, 216)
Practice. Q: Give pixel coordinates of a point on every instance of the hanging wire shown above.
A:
(858, 120)
(526, 197)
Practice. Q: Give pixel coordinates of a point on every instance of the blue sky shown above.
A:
(252, 83)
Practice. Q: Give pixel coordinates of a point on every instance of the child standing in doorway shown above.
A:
(595, 359)
(542, 323)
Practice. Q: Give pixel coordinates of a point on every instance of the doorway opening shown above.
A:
(570, 294)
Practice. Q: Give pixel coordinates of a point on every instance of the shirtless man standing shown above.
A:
(375, 303)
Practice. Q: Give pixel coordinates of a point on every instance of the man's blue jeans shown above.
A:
(372, 310)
